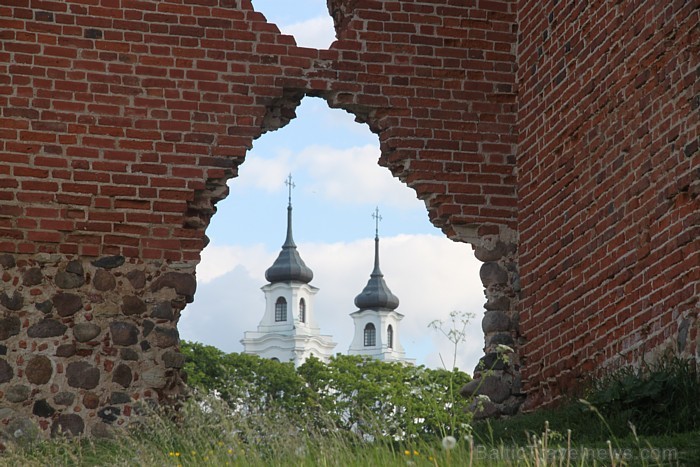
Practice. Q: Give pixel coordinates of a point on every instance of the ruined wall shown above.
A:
(560, 138)
(609, 176)
(120, 122)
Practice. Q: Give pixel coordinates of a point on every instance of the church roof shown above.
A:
(289, 266)
(376, 294)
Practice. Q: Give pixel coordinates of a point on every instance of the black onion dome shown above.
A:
(376, 294)
(289, 266)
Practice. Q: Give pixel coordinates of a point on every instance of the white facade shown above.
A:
(377, 335)
(288, 333)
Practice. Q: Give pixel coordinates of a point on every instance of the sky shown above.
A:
(333, 162)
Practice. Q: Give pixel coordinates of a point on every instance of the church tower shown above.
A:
(376, 320)
(288, 331)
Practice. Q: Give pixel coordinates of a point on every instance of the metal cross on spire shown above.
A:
(377, 218)
(291, 185)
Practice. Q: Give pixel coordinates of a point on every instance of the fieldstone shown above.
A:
(67, 303)
(109, 414)
(90, 400)
(132, 305)
(122, 375)
(22, 430)
(68, 280)
(469, 389)
(75, 267)
(7, 261)
(163, 310)
(492, 274)
(85, 332)
(123, 333)
(68, 424)
(102, 430)
(173, 359)
(501, 339)
(485, 255)
(39, 370)
(43, 409)
(183, 283)
(9, 327)
(119, 398)
(145, 346)
(82, 375)
(495, 321)
(66, 350)
(13, 303)
(483, 409)
(128, 354)
(166, 337)
(137, 279)
(6, 412)
(32, 276)
(64, 398)
(495, 388)
(45, 306)
(108, 262)
(147, 327)
(6, 371)
(17, 393)
(3, 349)
(501, 303)
(154, 378)
(104, 281)
(492, 361)
(47, 328)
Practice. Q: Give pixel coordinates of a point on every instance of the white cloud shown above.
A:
(315, 33)
(431, 275)
(343, 175)
(219, 260)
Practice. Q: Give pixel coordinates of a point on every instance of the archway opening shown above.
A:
(338, 182)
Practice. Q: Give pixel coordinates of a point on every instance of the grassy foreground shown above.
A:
(203, 435)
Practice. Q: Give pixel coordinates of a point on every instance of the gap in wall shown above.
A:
(333, 161)
(307, 20)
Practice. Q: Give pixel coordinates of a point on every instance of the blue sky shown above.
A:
(333, 161)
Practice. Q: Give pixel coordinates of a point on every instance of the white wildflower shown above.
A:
(483, 398)
(502, 348)
(449, 442)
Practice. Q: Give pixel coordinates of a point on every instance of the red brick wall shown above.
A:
(120, 122)
(115, 113)
(609, 171)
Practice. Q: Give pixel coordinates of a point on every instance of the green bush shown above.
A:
(657, 398)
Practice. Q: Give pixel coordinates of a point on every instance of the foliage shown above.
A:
(405, 401)
(358, 394)
(246, 382)
(657, 398)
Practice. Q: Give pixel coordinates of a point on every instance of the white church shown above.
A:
(288, 332)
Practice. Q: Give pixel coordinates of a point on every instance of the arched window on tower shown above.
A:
(281, 310)
(302, 310)
(370, 335)
(390, 337)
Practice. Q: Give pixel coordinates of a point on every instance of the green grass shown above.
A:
(208, 437)
(624, 427)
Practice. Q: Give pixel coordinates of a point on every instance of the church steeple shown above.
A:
(289, 266)
(376, 294)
